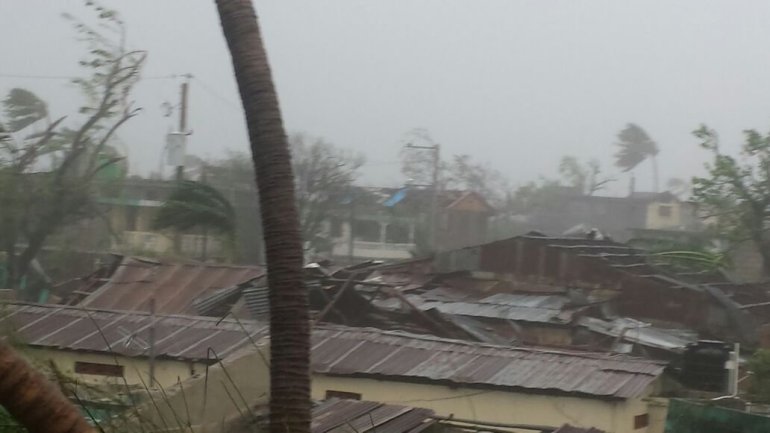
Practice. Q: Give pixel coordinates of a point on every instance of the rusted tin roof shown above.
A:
(409, 357)
(174, 286)
(344, 416)
(127, 333)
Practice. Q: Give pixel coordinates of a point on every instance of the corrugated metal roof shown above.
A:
(174, 286)
(409, 357)
(352, 416)
(642, 333)
(127, 333)
(566, 428)
(526, 308)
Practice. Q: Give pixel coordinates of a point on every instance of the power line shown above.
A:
(208, 89)
(72, 77)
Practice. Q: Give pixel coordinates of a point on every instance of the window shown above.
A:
(132, 214)
(641, 421)
(342, 394)
(97, 369)
(664, 211)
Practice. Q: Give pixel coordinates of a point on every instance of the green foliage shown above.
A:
(22, 108)
(735, 194)
(195, 204)
(759, 385)
(635, 146)
(48, 178)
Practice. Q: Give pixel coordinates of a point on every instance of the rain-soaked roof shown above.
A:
(173, 285)
(408, 357)
(190, 338)
(344, 416)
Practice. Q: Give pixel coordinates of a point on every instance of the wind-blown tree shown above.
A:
(46, 176)
(636, 146)
(736, 192)
(583, 177)
(324, 176)
(195, 205)
(48, 168)
(290, 403)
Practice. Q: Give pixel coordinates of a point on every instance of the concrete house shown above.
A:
(465, 380)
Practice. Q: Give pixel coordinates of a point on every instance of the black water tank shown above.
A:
(703, 366)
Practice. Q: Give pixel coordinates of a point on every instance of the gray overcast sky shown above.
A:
(516, 84)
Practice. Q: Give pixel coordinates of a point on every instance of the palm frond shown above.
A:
(195, 204)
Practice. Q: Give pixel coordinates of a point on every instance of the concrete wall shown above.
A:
(208, 403)
(496, 406)
(205, 404)
(656, 221)
(136, 370)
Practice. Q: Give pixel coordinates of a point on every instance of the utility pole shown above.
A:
(351, 224)
(433, 222)
(183, 121)
(182, 136)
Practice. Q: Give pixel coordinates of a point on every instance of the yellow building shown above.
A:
(101, 347)
(463, 380)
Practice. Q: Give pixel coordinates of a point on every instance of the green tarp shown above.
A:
(691, 417)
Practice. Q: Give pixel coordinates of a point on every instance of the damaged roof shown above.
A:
(348, 416)
(516, 307)
(674, 340)
(187, 338)
(409, 357)
(173, 286)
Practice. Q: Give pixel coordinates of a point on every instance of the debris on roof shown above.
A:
(174, 286)
(635, 331)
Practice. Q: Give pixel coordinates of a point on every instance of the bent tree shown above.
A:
(289, 325)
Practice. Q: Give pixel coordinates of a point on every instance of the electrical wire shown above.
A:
(72, 77)
(208, 89)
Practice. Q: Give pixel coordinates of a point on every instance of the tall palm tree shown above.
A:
(636, 146)
(289, 325)
(33, 401)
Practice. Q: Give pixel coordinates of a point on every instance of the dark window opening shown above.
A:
(336, 228)
(664, 211)
(397, 233)
(97, 369)
(342, 395)
(132, 214)
(366, 230)
(641, 421)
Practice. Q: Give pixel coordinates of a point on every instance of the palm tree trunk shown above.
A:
(655, 177)
(33, 400)
(289, 324)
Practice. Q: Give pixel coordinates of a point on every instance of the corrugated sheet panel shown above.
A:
(127, 333)
(174, 286)
(352, 416)
(641, 333)
(345, 351)
(566, 428)
(526, 308)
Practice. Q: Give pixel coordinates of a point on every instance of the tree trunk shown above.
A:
(33, 400)
(289, 325)
(655, 176)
